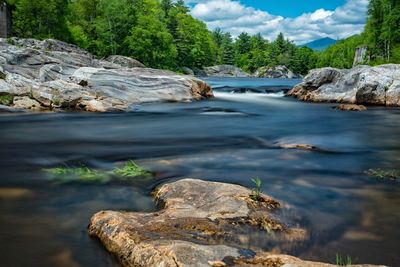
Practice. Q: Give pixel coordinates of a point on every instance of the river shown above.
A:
(231, 138)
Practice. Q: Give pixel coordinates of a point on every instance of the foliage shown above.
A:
(77, 174)
(163, 34)
(256, 191)
(131, 169)
(6, 99)
(84, 174)
(384, 174)
(341, 261)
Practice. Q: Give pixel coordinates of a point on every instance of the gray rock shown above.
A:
(63, 76)
(196, 227)
(276, 72)
(361, 85)
(126, 62)
(225, 71)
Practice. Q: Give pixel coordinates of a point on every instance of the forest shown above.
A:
(163, 34)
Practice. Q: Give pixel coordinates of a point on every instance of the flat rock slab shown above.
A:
(379, 85)
(52, 75)
(197, 225)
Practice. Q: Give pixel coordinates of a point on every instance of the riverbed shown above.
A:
(231, 138)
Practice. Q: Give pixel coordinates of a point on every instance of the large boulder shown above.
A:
(276, 72)
(60, 76)
(200, 224)
(225, 71)
(378, 85)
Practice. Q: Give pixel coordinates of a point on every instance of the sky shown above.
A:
(301, 21)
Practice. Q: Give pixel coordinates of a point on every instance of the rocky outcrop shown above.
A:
(225, 71)
(378, 85)
(60, 76)
(200, 224)
(276, 72)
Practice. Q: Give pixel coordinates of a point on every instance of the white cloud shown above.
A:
(234, 17)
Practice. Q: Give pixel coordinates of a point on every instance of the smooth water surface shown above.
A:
(230, 138)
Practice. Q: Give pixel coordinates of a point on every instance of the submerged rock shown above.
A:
(198, 225)
(351, 107)
(225, 71)
(276, 72)
(59, 76)
(378, 85)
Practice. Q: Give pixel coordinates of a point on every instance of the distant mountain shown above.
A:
(320, 44)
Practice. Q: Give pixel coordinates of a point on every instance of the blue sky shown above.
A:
(293, 8)
(300, 20)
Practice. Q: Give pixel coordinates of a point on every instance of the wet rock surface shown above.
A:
(53, 75)
(378, 85)
(198, 224)
(351, 107)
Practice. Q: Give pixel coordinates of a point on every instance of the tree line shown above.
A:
(163, 34)
(381, 37)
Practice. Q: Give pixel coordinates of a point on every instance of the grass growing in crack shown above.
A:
(343, 261)
(6, 99)
(131, 169)
(384, 174)
(256, 191)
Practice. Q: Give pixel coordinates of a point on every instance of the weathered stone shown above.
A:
(225, 71)
(63, 76)
(276, 72)
(197, 226)
(25, 102)
(360, 85)
(351, 107)
(126, 62)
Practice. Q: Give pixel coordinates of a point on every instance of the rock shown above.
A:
(198, 225)
(126, 62)
(351, 107)
(225, 71)
(62, 76)
(186, 71)
(7, 109)
(298, 146)
(360, 56)
(276, 72)
(25, 102)
(360, 85)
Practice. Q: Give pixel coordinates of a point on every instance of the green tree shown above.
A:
(40, 19)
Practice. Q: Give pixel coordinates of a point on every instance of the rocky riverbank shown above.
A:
(200, 224)
(52, 75)
(365, 85)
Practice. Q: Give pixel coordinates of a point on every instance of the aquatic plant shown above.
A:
(131, 169)
(256, 191)
(341, 261)
(383, 174)
(77, 174)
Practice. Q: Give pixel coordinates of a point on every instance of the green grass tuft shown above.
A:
(84, 174)
(131, 169)
(343, 261)
(78, 174)
(384, 174)
(256, 191)
(6, 100)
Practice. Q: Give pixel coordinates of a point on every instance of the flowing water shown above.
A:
(231, 138)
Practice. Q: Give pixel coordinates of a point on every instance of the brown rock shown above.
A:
(351, 107)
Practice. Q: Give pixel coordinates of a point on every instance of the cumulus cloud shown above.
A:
(234, 17)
